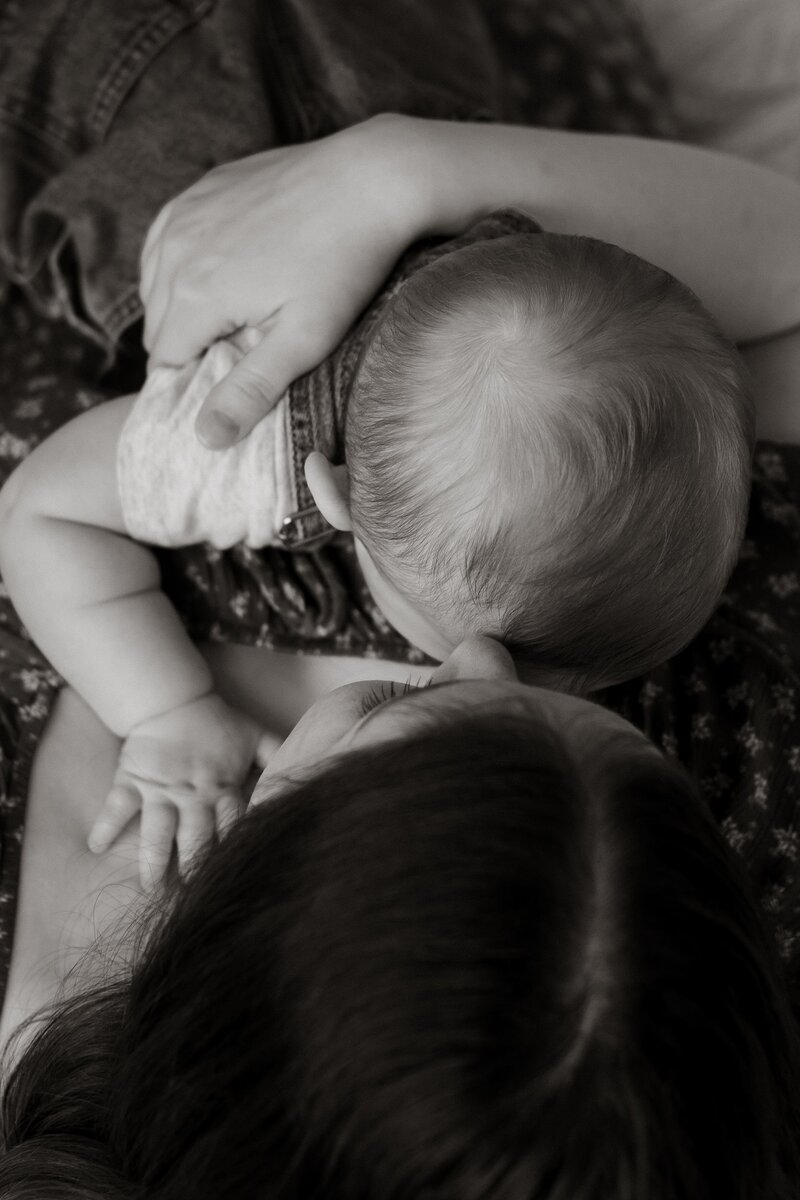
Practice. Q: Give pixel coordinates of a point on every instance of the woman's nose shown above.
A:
(477, 657)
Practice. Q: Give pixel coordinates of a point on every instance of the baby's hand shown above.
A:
(184, 772)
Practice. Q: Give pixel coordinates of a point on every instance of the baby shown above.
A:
(547, 440)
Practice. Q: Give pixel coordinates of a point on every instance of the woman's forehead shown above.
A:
(590, 734)
(570, 716)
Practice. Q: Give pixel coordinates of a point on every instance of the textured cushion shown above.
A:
(580, 64)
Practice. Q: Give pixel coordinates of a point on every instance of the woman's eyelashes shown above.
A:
(386, 692)
(378, 696)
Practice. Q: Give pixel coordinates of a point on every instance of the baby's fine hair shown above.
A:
(549, 439)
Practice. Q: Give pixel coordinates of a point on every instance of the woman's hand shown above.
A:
(293, 242)
(296, 241)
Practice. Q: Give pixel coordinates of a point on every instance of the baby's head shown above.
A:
(548, 439)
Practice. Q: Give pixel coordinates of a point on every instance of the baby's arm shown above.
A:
(91, 599)
(89, 596)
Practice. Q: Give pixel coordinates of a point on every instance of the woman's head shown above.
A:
(490, 944)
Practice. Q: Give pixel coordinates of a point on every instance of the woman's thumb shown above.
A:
(253, 387)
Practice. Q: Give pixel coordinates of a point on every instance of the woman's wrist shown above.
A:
(454, 173)
(421, 176)
(394, 160)
(418, 167)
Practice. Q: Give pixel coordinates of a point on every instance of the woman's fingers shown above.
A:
(158, 827)
(121, 804)
(152, 243)
(155, 311)
(155, 298)
(297, 239)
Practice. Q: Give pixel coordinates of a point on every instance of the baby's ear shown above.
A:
(330, 488)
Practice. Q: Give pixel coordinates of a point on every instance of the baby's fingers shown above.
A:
(195, 831)
(158, 826)
(230, 808)
(121, 804)
(268, 743)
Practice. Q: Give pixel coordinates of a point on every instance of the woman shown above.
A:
(480, 940)
(621, 1026)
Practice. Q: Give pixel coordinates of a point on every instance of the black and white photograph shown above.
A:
(399, 599)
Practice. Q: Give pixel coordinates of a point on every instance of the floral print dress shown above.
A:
(728, 706)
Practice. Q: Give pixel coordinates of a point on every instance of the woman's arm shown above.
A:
(775, 370)
(68, 898)
(728, 228)
(297, 240)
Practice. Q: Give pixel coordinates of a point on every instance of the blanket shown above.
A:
(108, 109)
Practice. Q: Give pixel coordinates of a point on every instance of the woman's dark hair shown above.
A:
(461, 965)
